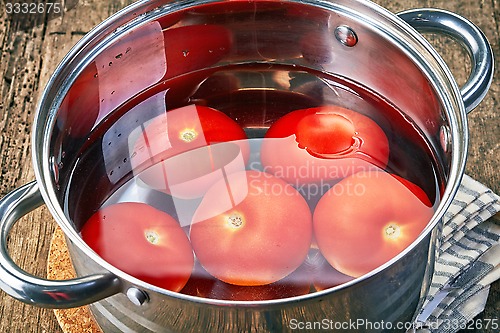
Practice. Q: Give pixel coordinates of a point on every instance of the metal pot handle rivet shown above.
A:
(346, 35)
(137, 296)
(470, 37)
(38, 291)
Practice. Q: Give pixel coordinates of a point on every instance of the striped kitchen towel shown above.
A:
(468, 262)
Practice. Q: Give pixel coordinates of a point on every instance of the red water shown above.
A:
(255, 96)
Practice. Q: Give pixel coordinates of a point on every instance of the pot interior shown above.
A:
(136, 95)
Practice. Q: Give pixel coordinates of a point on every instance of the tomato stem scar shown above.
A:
(188, 135)
(392, 231)
(152, 236)
(235, 221)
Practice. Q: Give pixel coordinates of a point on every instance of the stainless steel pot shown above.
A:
(359, 40)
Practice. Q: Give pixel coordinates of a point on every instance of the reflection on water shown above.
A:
(214, 163)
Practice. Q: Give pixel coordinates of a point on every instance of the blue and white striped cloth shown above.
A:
(467, 264)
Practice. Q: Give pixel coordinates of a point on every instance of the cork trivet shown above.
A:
(59, 267)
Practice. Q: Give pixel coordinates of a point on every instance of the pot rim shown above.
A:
(403, 35)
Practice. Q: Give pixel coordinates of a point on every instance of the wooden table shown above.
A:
(31, 47)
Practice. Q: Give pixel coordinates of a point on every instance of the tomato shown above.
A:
(290, 286)
(202, 284)
(323, 144)
(328, 277)
(251, 228)
(143, 242)
(325, 276)
(368, 218)
(182, 153)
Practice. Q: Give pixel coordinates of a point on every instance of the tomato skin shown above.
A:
(118, 233)
(287, 141)
(202, 284)
(415, 189)
(294, 284)
(312, 133)
(368, 218)
(328, 277)
(184, 129)
(157, 153)
(325, 276)
(251, 229)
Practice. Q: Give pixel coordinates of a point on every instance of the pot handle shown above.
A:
(37, 291)
(470, 37)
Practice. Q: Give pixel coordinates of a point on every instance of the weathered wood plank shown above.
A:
(31, 48)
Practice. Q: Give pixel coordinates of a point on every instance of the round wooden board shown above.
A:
(59, 267)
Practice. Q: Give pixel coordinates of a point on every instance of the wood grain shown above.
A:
(31, 48)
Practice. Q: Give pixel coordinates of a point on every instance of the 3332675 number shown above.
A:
(33, 7)
(481, 323)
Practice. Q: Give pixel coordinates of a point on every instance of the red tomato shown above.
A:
(251, 229)
(368, 218)
(202, 284)
(323, 144)
(143, 242)
(328, 277)
(325, 276)
(182, 153)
